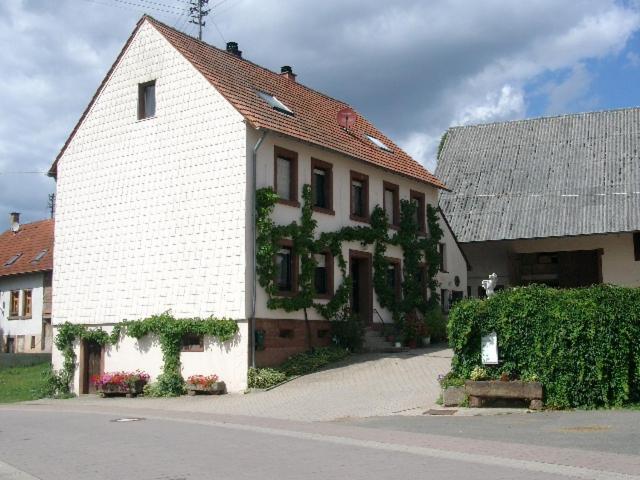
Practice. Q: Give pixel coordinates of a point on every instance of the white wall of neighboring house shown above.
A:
(618, 264)
(342, 165)
(22, 329)
(147, 210)
(454, 277)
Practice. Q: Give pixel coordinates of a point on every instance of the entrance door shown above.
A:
(92, 365)
(362, 285)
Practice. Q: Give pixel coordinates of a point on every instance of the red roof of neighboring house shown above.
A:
(28, 242)
(314, 114)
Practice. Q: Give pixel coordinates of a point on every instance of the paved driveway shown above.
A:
(364, 386)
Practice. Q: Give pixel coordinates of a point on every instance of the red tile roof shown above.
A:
(29, 241)
(314, 119)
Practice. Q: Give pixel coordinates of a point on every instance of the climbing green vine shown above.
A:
(306, 245)
(169, 331)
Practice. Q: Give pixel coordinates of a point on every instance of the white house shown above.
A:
(548, 200)
(155, 200)
(26, 261)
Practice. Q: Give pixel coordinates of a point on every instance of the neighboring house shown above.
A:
(155, 195)
(549, 200)
(26, 262)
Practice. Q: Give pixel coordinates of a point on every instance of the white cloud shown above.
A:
(505, 104)
(560, 95)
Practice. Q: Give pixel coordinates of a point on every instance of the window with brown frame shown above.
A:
(14, 303)
(26, 303)
(322, 186)
(359, 197)
(442, 251)
(323, 279)
(420, 214)
(391, 203)
(285, 176)
(636, 246)
(423, 273)
(193, 343)
(394, 276)
(146, 100)
(286, 269)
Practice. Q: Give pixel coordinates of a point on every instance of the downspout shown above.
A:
(252, 321)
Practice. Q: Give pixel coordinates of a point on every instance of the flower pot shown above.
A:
(217, 388)
(398, 345)
(426, 341)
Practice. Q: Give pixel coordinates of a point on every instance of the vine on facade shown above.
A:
(169, 330)
(416, 249)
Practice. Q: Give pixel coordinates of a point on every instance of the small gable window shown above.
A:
(275, 103)
(146, 100)
(12, 260)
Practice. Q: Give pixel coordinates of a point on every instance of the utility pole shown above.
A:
(51, 204)
(197, 12)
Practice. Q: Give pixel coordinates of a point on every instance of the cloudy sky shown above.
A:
(414, 67)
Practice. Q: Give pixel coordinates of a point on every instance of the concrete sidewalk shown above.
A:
(365, 385)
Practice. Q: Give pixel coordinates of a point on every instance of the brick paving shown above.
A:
(364, 386)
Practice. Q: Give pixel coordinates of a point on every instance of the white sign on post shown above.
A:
(489, 345)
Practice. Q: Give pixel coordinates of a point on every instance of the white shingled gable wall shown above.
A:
(147, 214)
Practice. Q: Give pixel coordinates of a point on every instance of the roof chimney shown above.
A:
(14, 221)
(287, 72)
(232, 48)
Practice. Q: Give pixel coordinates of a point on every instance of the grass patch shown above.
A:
(18, 384)
(299, 364)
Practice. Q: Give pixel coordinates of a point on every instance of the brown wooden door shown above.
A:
(362, 289)
(92, 365)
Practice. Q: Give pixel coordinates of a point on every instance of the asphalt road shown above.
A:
(68, 441)
(614, 431)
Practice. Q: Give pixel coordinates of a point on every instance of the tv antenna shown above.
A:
(197, 12)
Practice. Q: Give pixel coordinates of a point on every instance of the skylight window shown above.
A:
(40, 256)
(378, 143)
(275, 103)
(12, 260)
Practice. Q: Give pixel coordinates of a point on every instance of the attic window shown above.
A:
(146, 100)
(40, 256)
(275, 103)
(12, 260)
(378, 143)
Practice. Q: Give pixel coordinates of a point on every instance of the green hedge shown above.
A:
(582, 344)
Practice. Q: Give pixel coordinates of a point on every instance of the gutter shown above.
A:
(252, 320)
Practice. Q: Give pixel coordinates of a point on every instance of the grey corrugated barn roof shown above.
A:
(546, 177)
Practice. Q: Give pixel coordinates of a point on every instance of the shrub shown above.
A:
(265, 377)
(437, 324)
(348, 332)
(582, 344)
(307, 362)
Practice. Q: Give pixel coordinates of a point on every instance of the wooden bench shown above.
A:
(480, 391)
